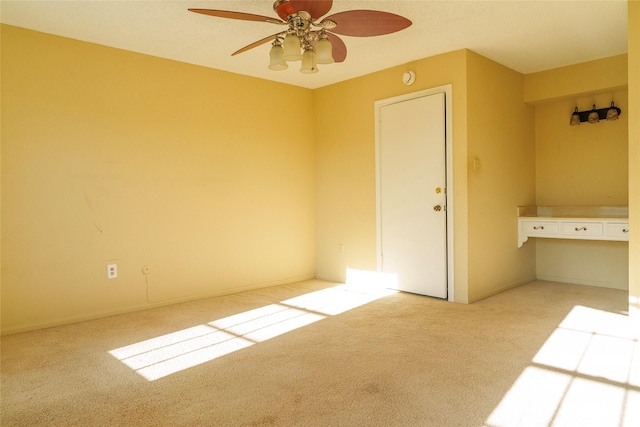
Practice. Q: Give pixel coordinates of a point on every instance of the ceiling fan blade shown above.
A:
(237, 15)
(366, 23)
(255, 44)
(339, 51)
(316, 8)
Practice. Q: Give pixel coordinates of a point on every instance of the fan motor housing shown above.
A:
(284, 9)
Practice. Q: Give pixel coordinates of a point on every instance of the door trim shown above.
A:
(447, 90)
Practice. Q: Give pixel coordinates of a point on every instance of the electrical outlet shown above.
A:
(341, 248)
(112, 271)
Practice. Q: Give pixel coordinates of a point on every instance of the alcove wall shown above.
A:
(585, 165)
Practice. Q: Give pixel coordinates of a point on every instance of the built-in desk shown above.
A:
(586, 223)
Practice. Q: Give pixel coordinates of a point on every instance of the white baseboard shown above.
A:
(150, 305)
(619, 286)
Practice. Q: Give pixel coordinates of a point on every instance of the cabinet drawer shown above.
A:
(585, 229)
(539, 227)
(618, 229)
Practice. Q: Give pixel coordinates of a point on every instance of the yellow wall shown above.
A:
(594, 263)
(110, 156)
(585, 165)
(634, 156)
(576, 80)
(345, 170)
(345, 163)
(114, 157)
(500, 138)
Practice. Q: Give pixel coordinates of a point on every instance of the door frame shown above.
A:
(447, 90)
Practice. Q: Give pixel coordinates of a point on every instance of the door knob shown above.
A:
(437, 208)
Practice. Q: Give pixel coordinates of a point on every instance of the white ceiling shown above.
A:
(527, 36)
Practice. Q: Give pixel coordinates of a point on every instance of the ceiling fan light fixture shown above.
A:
(292, 48)
(324, 51)
(310, 31)
(276, 57)
(309, 62)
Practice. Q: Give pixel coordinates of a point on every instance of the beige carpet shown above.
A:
(541, 354)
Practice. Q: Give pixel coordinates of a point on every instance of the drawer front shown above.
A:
(618, 229)
(578, 229)
(539, 227)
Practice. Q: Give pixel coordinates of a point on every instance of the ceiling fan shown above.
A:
(309, 38)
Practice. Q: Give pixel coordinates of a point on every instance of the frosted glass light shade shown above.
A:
(612, 112)
(292, 48)
(276, 58)
(309, 62)
(575, 118)
(593, 117)
(324, 52)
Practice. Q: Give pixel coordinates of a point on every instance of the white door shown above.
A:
(412, 186)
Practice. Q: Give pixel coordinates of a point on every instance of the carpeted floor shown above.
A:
(318, 354)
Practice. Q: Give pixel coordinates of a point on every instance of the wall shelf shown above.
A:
(582, 223)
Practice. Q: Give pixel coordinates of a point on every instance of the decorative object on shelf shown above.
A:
(310, 39)
(595, 114)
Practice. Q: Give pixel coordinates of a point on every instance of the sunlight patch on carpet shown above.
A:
(158, 357)
(586, 373)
